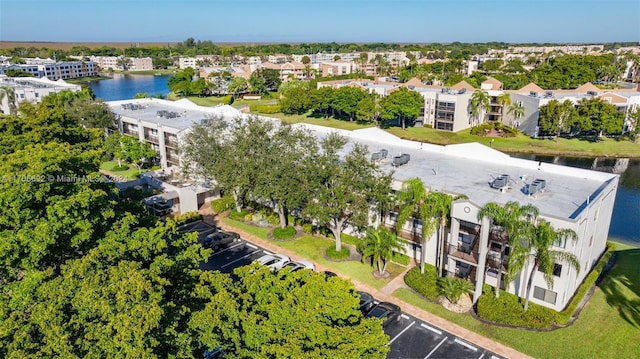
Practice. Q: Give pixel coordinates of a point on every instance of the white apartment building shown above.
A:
(581, 200)
(29, 89)
(54, 70)
(115, 63)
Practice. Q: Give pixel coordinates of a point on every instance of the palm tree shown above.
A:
(414, 203)
(510, 223)
(540, 242)
(516, 110)
(440, 206)
(379, 244)
(479, 103)
(10, 94)
(504, 100)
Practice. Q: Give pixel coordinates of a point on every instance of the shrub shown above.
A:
(117, 168)
(239, 216)
(222, 204)
(453, 288)
(248, 217)
(333, 254)
(423, 283)
(273, 219)
(187, 218)
(307, 228)
(401, 258)
(564, 316)
(265, 108)
(286, 233)
(227, 100)
(509, 309)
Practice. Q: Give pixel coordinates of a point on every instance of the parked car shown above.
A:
(298, 265)
(386, 311)
(219, 239)
(273, 261)
(366, 302)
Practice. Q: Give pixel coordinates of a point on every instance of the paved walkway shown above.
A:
(384, 294)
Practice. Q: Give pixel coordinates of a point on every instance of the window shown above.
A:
(544, 295)
(560, 242)
(557, 270)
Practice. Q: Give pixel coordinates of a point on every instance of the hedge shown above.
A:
(509, 309)
(227, 100)
(567, 313)
(187, 218)
(423, 283)
(222, 204)
(401, 258)
(286, 233)
(265, 108)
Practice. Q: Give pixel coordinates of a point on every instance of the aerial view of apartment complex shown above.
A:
(319, 180)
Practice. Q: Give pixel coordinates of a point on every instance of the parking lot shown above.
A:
(409, 337)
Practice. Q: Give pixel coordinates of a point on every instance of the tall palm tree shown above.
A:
(440, 206)
(540, 241)
(516, 110)
(414, 203)
(510, 223)
(504, 100)
(10, 94)
(379, 244)
(479, 103)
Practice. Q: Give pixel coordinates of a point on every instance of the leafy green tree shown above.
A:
(510, 222)
(18, 73)
(367, 109)
(91, 113)
(294, 97)
(183, 83)
(322, 99)
(141, 95)
(541, 255)
(305, 60)
(237, 86)
(479, 104)
(345, 190)
(634, 124)
(136, 152)
(346, 99)
(492, 65)
(114, 146)
(265, 80)
(202, 148)
(595, 114)
(403, 104)
(284, 315)
(379, 244)
(557, 117)
(123, 62)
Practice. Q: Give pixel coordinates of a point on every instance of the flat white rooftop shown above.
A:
(469, 169)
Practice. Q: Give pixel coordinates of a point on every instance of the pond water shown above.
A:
(123, 87)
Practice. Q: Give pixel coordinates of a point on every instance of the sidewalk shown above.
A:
(384, 294)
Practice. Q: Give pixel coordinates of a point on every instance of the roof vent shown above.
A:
(592, 93)
(533, 93)
(501, 183)
(538, 185)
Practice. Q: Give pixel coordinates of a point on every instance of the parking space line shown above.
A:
(481, 356)
(436, 348)
(239, 259)
(226, 249)
(494, 357)
(404, 316)
(251, 245)
(464, 344)
(439, 332)
(403, 330)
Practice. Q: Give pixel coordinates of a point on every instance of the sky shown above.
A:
(416, 21)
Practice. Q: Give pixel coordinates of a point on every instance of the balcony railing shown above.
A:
(464, 252)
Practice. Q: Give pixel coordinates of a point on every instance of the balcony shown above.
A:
(464, 252)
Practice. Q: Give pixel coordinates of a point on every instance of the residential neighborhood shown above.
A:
(319, 180)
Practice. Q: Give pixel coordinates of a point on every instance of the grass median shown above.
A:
(312, 248)
(608, 326)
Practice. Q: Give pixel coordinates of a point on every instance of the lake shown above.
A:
(123, 87)
(625, 222)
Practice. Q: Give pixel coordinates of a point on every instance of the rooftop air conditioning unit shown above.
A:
(533, 93)
(592, 93)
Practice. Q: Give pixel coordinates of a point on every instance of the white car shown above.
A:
(298, 265)
(273, 261)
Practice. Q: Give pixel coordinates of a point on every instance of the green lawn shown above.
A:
(525, 144)
(320, 121)
(313, 248)
(216, 100)
(608, 327)
(130, 174)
